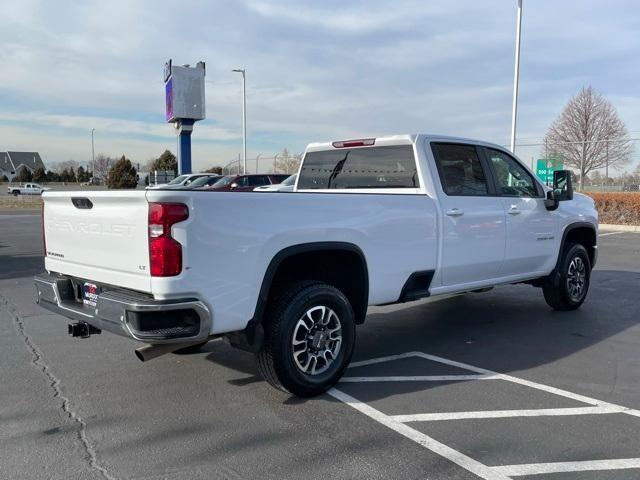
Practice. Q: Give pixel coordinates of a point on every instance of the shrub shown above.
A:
(4, 178)
(621, 208)
(122, 175)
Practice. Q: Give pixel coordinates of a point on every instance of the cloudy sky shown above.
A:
(315, 71)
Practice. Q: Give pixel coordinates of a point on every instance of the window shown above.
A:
(375, 167)
(242, 181)
(460, 170)
(258, 180)
(512, 179)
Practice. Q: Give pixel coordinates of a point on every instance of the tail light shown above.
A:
(165, 253)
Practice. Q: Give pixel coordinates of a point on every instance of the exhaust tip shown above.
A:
(139, 355)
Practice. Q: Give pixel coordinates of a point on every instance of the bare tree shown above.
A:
(589, 134)
(102, 165)
(287, 163)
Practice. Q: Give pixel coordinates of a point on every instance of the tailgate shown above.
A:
(103, 240)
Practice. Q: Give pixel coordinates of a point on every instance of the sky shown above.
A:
(316, 71)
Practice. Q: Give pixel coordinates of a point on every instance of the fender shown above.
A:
(306, 248)
(554, 276)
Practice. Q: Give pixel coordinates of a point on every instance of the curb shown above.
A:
(619, 228)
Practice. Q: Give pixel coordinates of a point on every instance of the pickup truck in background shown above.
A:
(288, 276)
(26, 189)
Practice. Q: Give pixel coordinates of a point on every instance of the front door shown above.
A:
(531, 228)
(474, 232)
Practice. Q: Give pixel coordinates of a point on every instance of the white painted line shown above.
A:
(420, 378)
(468, 463)
(538, 386)
(610, 233)
(541, 412)
(388, 358)
(560, 467)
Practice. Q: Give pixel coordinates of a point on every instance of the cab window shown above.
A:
(512, 179)
(460, 170)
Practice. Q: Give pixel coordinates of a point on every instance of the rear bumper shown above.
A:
(128, 313)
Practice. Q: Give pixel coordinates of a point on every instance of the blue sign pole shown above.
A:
(185, 127)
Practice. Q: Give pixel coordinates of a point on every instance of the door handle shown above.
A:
(514, 210)
(454, 212)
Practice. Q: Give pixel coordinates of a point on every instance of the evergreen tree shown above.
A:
(122, 175)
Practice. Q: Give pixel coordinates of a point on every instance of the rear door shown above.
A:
(474, 231)
(98, 236)
(531, 228)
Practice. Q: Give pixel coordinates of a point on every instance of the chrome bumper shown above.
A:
(126, 313)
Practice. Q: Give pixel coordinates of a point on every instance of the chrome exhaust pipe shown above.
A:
(149, 352)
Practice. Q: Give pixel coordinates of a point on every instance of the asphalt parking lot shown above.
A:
(492, 385)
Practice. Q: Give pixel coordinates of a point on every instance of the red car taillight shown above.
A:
(165, 253)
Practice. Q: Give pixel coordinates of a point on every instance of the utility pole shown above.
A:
(516, 79)
(93, 154)
(244, 118)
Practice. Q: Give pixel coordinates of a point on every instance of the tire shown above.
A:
(320, 320)
(574, 275)
(191, 348)
(15, 193)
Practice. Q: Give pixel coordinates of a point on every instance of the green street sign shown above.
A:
(545, 169)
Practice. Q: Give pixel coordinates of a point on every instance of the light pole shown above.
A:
(244, 118)
(93, 155)
(516, 75)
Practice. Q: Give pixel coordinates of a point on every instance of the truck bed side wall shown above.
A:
(230, 239)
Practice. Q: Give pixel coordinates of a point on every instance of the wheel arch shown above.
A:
(282, 265)
(583, 233)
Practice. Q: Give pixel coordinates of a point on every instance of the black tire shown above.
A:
(276, 361)
(191, 348)
(563, 294)
(15, 193)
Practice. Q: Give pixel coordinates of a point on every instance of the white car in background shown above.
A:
(180, 181)
(26, 189)
(286, 186)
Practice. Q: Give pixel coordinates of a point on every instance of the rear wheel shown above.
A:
(309, 339)
(574, 278)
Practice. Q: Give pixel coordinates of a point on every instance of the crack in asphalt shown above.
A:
(54, 382)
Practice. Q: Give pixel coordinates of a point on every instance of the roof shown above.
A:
(12, 161)
(5, 162)
(28, 159)
(406, 139)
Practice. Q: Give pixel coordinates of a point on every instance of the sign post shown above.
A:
(185, 105)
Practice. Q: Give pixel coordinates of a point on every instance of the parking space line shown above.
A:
(610, 233)
(398, 423)
(468, 463)
(562, 467)
(540, 412)
(419, 378)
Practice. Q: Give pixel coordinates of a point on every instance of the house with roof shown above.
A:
(12, 162)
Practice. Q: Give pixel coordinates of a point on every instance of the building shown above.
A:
(12, 162)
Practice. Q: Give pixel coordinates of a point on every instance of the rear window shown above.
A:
(377, 167)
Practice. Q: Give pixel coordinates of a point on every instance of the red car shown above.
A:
(245, 183)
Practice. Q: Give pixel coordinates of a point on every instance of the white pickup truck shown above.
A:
(26, 189)
(288, 276)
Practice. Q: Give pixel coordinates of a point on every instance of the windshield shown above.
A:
(289, 180)
(178, 180)
(223, 182)
(202, 181)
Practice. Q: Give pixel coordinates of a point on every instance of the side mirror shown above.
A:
(234, 185)
(551, 202)
(562, 185)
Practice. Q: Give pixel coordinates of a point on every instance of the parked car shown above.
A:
(286, 186)
(246, 183)
(206, 181)
(180, 181)
(288, 277)
(91, 181)
(26, 189)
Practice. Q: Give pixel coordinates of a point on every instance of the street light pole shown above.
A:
(244, 118)
(516, 79)
(93, 155)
